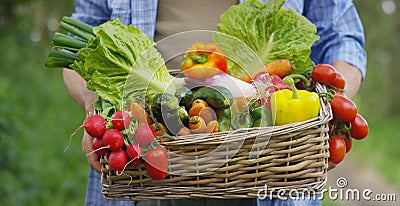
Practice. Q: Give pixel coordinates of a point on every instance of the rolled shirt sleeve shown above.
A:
(340, 30)
(93, 12)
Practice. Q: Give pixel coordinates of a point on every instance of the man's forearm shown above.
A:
(76, 87)
(352, 76)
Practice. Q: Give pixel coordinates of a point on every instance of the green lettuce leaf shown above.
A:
(122, 62)
(254, 33)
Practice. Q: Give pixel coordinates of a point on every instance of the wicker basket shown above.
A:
(235, 164)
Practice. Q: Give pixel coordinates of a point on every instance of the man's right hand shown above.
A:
(93, 158)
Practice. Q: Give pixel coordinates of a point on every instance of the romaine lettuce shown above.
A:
(122, 62)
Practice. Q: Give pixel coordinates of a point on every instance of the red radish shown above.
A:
(117, 160)
(98, 146)
(95, 125)
(113, 139)
(134, 151)
(120, 120)
(144, 134)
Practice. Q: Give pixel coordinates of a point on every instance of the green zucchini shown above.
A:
(216, 96)
(184, 96)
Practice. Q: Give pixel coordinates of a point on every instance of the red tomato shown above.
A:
(156, 163)
(337, 149)
(359, 127)
(339, 82)
(343, 108)
(347, 141)
(324, 73)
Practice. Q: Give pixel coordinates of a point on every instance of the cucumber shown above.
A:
(216, 96)
(184, 96)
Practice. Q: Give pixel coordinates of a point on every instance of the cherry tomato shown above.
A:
(343, 108)
(324, 73)
(156, 163)
(339, 82)
(337, 149)
(359, 127)
(347, 141)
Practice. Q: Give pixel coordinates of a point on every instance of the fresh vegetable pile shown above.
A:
(256, 73)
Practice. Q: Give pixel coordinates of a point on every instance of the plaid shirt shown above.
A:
(94, 197)
(338, 25)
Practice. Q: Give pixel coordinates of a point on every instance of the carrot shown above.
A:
(246, 78)
(196, 108)
(280, 67)
(138, 112)
(197, 124)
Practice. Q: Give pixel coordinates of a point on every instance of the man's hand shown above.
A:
(93, 158)
(76, 87)
(352, 76)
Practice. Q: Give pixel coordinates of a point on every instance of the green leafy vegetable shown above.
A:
(118, 63)
(254, 33)
(124, 61)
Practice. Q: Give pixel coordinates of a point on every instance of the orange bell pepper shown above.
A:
(203, 60)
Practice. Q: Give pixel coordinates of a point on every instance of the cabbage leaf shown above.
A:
(263, 32)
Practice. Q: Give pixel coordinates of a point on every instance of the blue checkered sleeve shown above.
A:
(93, 12)
(340, 30)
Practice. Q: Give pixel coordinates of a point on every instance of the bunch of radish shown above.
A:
(110, 138)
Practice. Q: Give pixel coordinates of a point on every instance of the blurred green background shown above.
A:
(37, 115)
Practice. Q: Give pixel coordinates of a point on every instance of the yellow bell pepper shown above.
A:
(293, 106)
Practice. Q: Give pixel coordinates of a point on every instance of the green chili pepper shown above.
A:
(262, 116)
(242, 120)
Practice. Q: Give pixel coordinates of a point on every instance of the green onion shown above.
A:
(64, 40)
(80, 25)
(74, 30)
